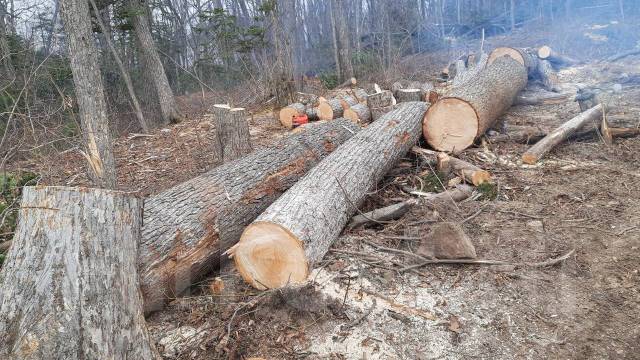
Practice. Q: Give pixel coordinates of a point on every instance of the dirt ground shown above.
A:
(359, 304)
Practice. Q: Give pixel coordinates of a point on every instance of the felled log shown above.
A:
(547, 53)
(466, 171)
(387, 213)
(187, 227)
(298, 229)
(548, 76)
(330, 109)
(456, 120)
(233, 132)
(360, 114)
(608, 133)
(523, 56)
(289, 113)
(70, 283)
(557, 136)
(406, 95)
(380, 99)
(519, 134)
(539, 98)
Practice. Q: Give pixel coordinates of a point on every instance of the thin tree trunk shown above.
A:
(89, 93)
(5, 51)
(152, 63)
(334, 34)
(123, 71)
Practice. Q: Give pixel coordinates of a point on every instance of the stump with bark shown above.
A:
(187, 227)
(298, 229)
(70, 283)
(233, 131)
(456, 120)
(406, 95)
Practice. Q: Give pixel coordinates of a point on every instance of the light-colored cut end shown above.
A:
(544, 52)
(480, 177)
(451, 124)
(352, 115)
(325, 112)
(268, 256)
(222, 106)
(529, 159)
(286, 116)
(505, 51)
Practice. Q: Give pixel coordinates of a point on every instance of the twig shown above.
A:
(356, 208)
(359, 319)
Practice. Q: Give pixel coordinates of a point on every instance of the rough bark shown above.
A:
(526, 57)
(560, 134)
(187, 227)
(342, 34)
(234, 133)
(406, 95)
(89, 93)
(70, 284)
(456, 120)
(548, 76)
(152, 64)
(378, 112)
(472, 71)
(298, 229)
(359, 114)
(380, 99)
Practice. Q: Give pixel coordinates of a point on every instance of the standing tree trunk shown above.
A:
(5, 51)
(89, 93)
(186, 228)
(298, 229)
(344, 47)
(152, 64)
(70, 284)
(233, 131)
(455, 121)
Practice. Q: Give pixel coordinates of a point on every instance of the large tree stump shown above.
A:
(233, 131)
(456, 120)
(359, 114)
(560, 134)
(70, 283)
(187, 227)
(298, 229)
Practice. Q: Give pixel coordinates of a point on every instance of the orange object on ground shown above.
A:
(300, 119)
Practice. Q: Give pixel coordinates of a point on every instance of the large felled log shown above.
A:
(472, 71)
(330, 109)
(187, 227)
(289, 113)
(359, 113)
(547, 53)
(523, 56)
(70, 283)
(298, 229)
(560, 134)
(456, 120)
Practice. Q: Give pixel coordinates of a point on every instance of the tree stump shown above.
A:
(70, 283)
(233, 131)
(406, 95)
(381, 99)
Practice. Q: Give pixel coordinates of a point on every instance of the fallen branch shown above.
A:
(386, 213)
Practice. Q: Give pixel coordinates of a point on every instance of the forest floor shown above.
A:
(583, 196)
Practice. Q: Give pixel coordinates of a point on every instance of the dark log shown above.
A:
(187, 227)
(70, 283)
(560, 134)
(456, 120)
(297, 230)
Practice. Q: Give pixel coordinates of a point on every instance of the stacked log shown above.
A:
(456, 120)
(187, 227)
(70, 283)
(360, 114)
(298, 229)
(380, 103)
(289, 113)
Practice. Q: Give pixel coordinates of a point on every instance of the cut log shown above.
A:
(461, 192)
(348, 101)
(287, 114)
(546, 53)
(308, 99)
(466, 171)
(608, 133)
(380, 99)
(377, 113)
(548, 76)
(386, 213)
(519, 134)
(455, 121)
(540, 98)
(359, 114)
(523, 56)
(406, 95)
(298, 229)
(234, 133)
(187, 227)
(557, 136)
(70, 283)
(312, 113)
(330, 109)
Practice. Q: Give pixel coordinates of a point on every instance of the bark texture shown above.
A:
(152, 63)
(560, 134)
(331, 109)
(380, 99)
(70, 284)
(187, 227)
(359, 113)
(456, 120)
(548, 76)
(89, 93)
(406, 95)
(316, 209)
(234, 133)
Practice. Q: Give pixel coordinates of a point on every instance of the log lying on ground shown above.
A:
(557, 136)
(289, 113)
(187, 227)
(519, 134)
(70, 283)
(548, 76)
(387, 213)
(359, 114)
(455, 121)
(539, 98)
(524, 56)
(466, 171)
(406, 95)
(608, 133)
(233, 131)
(298, 229)
(330, 109)
(547, 53)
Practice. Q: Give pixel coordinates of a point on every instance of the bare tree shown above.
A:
(89, 93)
(341, 37)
